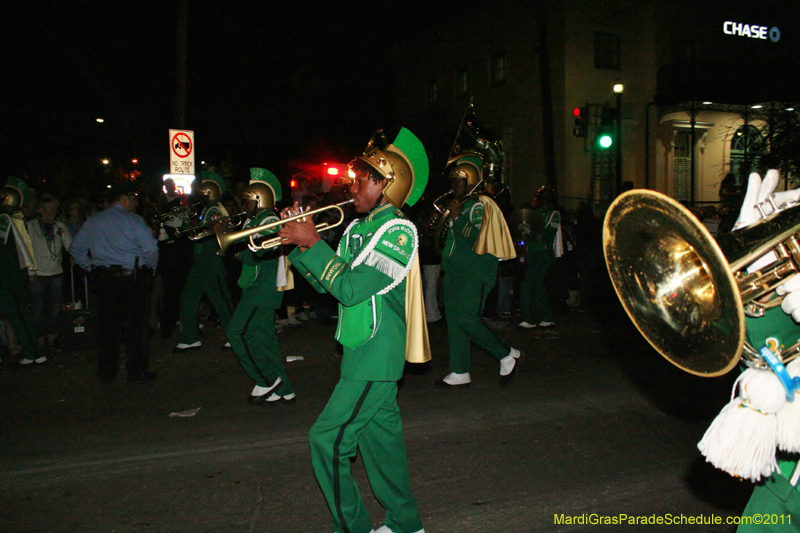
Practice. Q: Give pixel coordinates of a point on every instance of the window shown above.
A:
(747, 145)
(431, 93)
(499, 69)
(606, 50)
(462, 82)
(682, 167)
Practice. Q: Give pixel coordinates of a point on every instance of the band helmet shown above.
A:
(264, 188)
(212, 185)
(404, 164)
(16, 193)
(467, 166)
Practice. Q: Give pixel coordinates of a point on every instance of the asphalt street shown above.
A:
(595, 424)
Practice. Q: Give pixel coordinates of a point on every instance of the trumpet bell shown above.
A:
(674, 282)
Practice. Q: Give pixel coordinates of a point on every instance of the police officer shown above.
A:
(119, 250)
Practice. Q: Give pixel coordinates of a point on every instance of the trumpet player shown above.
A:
(208, 274)
(373, 275)
(264, 277)
(477, 238)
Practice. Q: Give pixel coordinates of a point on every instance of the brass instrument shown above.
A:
(472, 140)
(206, 229)
(226, 238)
(688, 294)
(182, 212)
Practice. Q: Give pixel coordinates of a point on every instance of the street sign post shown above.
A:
(181, 152)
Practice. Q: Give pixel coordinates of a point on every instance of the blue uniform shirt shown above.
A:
(114, 236)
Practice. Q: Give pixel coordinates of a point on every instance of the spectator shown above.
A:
(50, 239)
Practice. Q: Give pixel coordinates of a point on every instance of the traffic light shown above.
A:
(606, 134)
(581, 115)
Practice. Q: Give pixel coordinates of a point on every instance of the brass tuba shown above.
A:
(688, 294)
(473, 142)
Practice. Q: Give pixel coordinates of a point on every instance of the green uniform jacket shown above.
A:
(775, 495)
(260, 269)
(542, 242)
(208, 247)
(458, 258)
(368, 278)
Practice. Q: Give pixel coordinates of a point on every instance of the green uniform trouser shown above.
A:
(251, 333)
(363, 415)
(534, 300)
(14, 306)
(774, 505)
(463, 304)
(207, 276)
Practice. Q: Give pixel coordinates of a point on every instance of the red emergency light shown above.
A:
(293, 183)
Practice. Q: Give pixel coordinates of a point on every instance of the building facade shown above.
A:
(696, 84)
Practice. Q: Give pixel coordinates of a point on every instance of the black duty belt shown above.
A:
(114, 270)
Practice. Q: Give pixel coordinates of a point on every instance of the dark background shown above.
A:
(272, 84)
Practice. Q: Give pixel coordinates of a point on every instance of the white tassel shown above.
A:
(789, 417)
(741, 440)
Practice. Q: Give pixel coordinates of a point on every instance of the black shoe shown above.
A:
(144, 377)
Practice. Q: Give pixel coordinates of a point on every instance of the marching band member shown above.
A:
(477, 238)
(208, 274)
(766, 419)
(251, 331)
(375, 276)
(16, 264)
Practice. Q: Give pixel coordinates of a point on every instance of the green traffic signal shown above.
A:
(605, 141)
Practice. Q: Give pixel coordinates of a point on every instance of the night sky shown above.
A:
(268, 82)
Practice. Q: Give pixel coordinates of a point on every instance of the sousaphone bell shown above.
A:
(686, 292)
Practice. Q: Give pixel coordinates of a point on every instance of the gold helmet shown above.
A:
(264, 188)
(467, 166)
(261, 193)
(212, 186)
(15, 194)
(394, 162)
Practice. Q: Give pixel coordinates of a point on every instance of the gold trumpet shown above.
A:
(226, 238)
(182, 212)
(206, 229)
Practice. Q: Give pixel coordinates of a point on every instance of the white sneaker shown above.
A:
(40, 360)
(275, 397)
(545, 324)
(25, 362)
(526, 325)
(384, 529)
(182, 346)
(260, 391)
(457, 379)
(508, 362)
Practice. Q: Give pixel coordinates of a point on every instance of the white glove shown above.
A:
(174, 222)
(791, 293)
(757, 193)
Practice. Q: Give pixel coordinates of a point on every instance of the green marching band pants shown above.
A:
(363, 415)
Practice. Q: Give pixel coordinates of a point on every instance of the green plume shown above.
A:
(411, 146)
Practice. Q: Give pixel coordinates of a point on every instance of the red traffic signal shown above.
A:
(581, 115)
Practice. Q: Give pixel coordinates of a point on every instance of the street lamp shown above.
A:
(618, 88)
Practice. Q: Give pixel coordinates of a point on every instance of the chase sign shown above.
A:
(754, 31)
